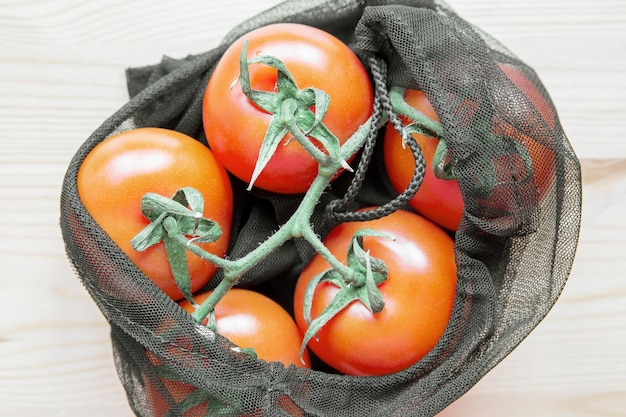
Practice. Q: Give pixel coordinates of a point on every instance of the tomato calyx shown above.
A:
(292, 113)
(180, 215)
(362, 285)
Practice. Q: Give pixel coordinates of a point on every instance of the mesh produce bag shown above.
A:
(514, 247)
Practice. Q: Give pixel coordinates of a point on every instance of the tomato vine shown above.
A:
(179, 221)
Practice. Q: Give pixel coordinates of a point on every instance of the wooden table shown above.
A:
(62, 73)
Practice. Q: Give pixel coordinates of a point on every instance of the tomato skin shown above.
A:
(419, 294)
(438, 200)
(116, 174)
(252, 320)
(235, 127)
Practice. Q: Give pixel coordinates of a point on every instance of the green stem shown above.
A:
(396, 95)
(235, 269)
(291, 108)
(173, 232)
(356, 141)
(346, 272)
(298, 225)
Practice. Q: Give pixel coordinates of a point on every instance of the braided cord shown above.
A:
(336, 209)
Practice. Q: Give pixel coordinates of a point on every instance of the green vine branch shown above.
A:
(178, 221)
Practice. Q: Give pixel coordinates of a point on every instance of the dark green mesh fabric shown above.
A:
(514, 250)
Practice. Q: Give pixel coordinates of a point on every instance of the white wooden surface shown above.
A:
(62, 73)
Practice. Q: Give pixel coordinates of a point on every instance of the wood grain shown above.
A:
(62, 74)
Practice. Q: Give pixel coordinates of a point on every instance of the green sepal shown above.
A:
(153, 205)
(275, 63)
(177, 258)
(180, 214)
(291, 110)
(189, 197)
(329, 275)
(320, 100)
(276, 131)
(368, 274)
(330, 143)
(150, 235)
(370, 271)
(190, 222)
(340, 301)
(266, 100)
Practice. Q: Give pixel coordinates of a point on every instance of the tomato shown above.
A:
(179, 393)
(252, 320)
(440, 200)
(531, 92)
(527, 117)
(418, 294)
(538, 139)
(249, 320)
(118, 171)
(235, 126)
(437, 199)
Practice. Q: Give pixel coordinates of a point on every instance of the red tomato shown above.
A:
(178, 391)
(437, 199)
(251, 320)
(235, 126)
(528, 88)
(418, 294)
(530, 120)
(440, 200)
(121, 169)
(538, 142)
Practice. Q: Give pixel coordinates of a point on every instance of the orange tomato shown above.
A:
(438, 200)
(418, 294)
(118, 171)
(251, 320)
(235, 127)
(530, 122)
